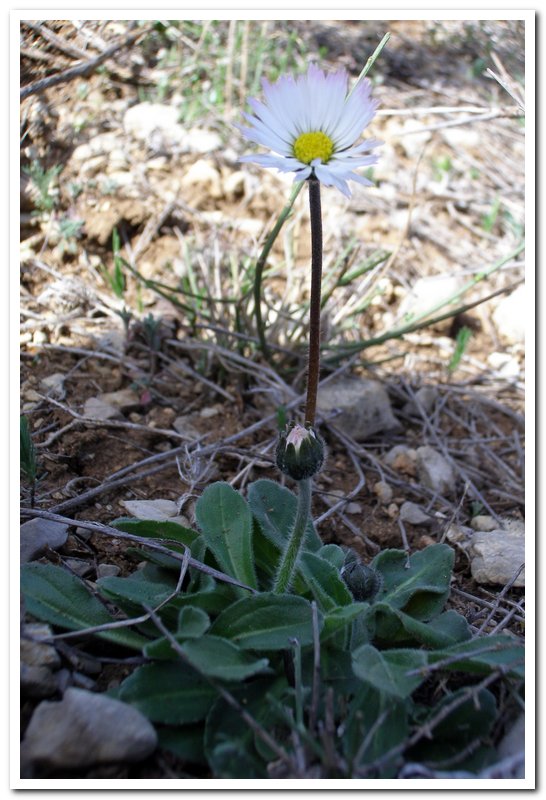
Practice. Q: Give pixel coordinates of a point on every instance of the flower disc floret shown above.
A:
(313, 145)
(311, 125)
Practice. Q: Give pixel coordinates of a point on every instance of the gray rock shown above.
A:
(383, 491)
(98, 409)
(157, 124)
(357, 406)
(79, 566)
(402, 459)
(434, 471)
(53, 385)
(505, 365)
(38, 653)
(427, 293)
(185, 426)
(510, 316)
(424, 401)
(107, 570)
(414, 514)
(86, 729)
(151, 509)
(456, 534)
(513, 743)
(110, 404)
(38, 534)
(103, 143)
(483, 522)
(513, 525)
(38, 681)
(496, 556)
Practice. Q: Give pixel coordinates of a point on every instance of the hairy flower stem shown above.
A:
(289, 558)
(313, 368)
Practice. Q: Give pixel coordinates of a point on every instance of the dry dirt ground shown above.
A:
(448, 201)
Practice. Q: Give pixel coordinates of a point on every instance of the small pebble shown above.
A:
(383, 491)
(426, 541)
(37, 681)
(435, 471)
(79, 566)
(402, 459)
(455, 534)
(393, 511)
(483, 522)
(38, 653)
(212, 411)
(423, 402)
(39, 534)
(414, 514)
(107, 570)
(496, 557)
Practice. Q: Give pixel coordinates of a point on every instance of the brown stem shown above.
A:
(313, 369)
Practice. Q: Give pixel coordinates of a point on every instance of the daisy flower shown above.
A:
(310, 124)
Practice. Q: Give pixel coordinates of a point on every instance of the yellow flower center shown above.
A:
(309, 146)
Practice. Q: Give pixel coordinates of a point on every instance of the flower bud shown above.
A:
(363, 582)
(300, 452)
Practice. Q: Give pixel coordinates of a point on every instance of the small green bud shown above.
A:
(363, 582)
(300, 452)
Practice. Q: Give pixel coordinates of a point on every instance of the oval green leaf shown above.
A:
(267, 622)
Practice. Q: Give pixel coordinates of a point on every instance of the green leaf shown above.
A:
(209, 655)
(164, 530)
(387, 717)
(392, 626)
(226, 523)
(470, 720)
(211, 597)
(27, 451)
(220, 658)
(388, 671)
(455, 737)
(324, 582)
(334, 554)
(133, 593)
(421, 588)
(339, 618)
(54, 595)
(192, 622)
(267, 622)
(172, 693)
(482, 656)
(275, 509)
(229, 740)
(184, 742)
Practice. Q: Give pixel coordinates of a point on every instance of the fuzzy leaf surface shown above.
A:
(54, 595)
(483, 655)
(267, 622)
(275, 509)
(164, 530)
(421, 588)
(170, 692)
(388, 671)
(390, 625)
(226, 524)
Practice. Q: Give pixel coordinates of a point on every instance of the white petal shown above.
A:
(328, 178)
